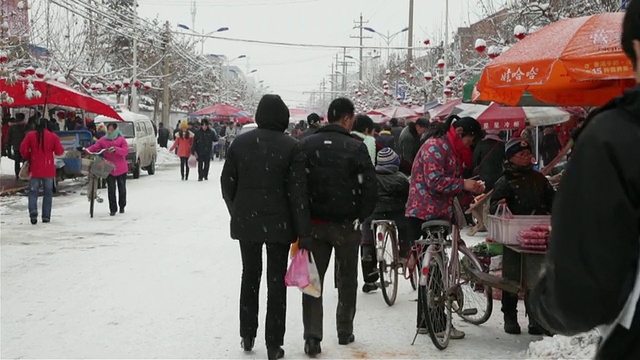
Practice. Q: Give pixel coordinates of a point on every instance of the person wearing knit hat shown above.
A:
(184, 125)
(525, 192)
(393, 191)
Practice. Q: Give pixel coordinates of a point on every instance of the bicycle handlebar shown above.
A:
(95, 153)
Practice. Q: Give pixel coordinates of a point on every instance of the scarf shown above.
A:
(462, 152)
(114, 135)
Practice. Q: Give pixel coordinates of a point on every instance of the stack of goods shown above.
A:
(536, 238)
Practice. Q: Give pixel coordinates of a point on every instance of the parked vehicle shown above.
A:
(248, 127)
(139, 132)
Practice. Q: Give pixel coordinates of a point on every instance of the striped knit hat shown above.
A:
(387, 159)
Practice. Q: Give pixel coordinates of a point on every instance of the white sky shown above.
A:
(290, 71)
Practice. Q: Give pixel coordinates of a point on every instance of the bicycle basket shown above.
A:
(504, 226)
(101, 168)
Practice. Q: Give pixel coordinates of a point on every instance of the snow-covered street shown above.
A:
(163, 280)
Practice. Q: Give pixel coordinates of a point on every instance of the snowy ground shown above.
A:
(163, 280)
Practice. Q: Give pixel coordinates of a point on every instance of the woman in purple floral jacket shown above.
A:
(436, 179)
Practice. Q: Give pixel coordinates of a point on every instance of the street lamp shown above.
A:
(387, 38)
(204, 36)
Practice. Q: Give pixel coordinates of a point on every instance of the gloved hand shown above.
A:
(306, 243)
(112, 149)
(80, 148)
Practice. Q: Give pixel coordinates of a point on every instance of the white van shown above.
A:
(141, 137)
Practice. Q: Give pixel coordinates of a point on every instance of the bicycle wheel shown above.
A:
(475, 300)
(388, 264)
(93, 184)
(437, 305)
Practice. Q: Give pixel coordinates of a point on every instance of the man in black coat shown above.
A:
(591, 277)
(17, 132)
(203, 147)
(396, 130)
(314, 124)
(163, 136)
(342, 191)
(265, 189)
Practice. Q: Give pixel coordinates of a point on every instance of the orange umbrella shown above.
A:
(571, 62)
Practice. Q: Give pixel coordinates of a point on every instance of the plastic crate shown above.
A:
(504, 226)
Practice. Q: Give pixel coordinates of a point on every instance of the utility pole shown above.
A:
(134, 89)
(166, 103)
(446, 47)
(344, 69)
(194, 11)
(361, 37)
(410, 42)
(323, 88)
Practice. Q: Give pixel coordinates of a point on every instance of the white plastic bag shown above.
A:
(314, 289)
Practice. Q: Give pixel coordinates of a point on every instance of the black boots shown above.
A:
(346, 339)
(275, 353)
(247, 343)
(511, 325)
(312, 347)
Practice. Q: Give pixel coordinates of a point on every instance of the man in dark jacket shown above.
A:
(591, 276)
(410, 139)
(526, 192)
(396, 130)
(17, 132)
(393, 191)
(203, 147)
(314, 124)
(163, 136)
(265, 189)
(386, 138)
(342, 190)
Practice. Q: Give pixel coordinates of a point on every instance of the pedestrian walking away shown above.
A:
(163, 136)
(38, 148)
(314, 120)
(17, 132)
(583, 284)
(117, 151)
(203, 148)
(265, 190)
(183, 143)
(342, 191)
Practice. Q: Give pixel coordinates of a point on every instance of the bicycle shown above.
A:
(443, 287)
(97, 169)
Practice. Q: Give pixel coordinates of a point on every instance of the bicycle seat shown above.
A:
(430, 225)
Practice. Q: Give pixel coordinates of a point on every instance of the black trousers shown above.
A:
(345, 240)
(121, 182)
(17, 165)
(277, 257)
(184, 167)
(203, 166)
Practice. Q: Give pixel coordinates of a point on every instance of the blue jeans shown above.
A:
(34, 190)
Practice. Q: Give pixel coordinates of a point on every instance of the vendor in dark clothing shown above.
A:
(525, 192)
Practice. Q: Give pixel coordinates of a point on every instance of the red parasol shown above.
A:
(55, 93)
(219, 110)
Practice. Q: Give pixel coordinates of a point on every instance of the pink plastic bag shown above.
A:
(193, 162)
(298, 272)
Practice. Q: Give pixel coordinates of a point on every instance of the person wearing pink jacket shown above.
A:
(117, 151)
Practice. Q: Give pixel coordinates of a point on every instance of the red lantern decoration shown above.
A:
(411, 77)
(427, 42)
(452, 75)
(403, 73)
(428, 76)
(192, 98)
(136, 84)
(30, 71)
(40, 73)
(447, 82)
(520, 32)
(147, 86)
(412, 66)
(117, 85)
(22, 72)
(441, 63)
(388, 72)
(126, 83)
(448, 92)
(493, 52)
(4, 57)
(109, 88)
(481, 45)
(86, 86)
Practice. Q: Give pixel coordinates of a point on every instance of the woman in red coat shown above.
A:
(184, 141)
(38, 148)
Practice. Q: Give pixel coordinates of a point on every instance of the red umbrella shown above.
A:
(395, 112)
(497, 117)
(43, 92)
(219, 110)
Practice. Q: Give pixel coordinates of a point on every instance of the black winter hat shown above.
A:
(272, 113)
(204, 121)
(514, 146)
(313, 118)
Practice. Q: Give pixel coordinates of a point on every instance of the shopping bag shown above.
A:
(193, 162)
(24, 171)
(295, 247)
(298, 272)
(314, 288)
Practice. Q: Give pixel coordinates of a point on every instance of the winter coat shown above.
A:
(396, 131)
(5, 135)
(550, 147)
(183, 145)
(592, 261)
(163, 136)
(341, 176)
(17, 132)
(393, 191)
(386, 139)
(264, 186)
(41, 162)
(526, 191)
(369, 142)
(203, 142)
(436, 178)
(409, 145)
(118, 158)
(488, 157)
(308, 132)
